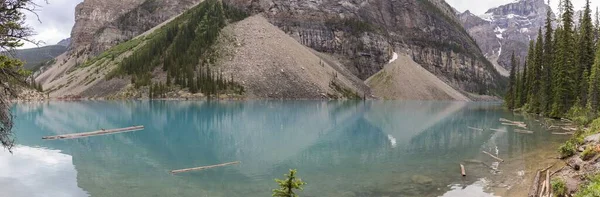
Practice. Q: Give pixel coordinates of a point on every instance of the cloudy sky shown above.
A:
(57, 19)
(58, 16)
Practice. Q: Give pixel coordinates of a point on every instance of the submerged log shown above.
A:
(203, 167)
(476, 129)
(533, 191)
(472, 161)
(462, 170)
(490, 154)
(499, 130)
(93, 133)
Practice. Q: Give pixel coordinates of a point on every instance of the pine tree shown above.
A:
(585, 53)
(530, 80)
(536, 76)
(510, 95)
(523, 87)
(565, 80)
(288, 185)
(594, 84)
(547, 64)
(597, 25)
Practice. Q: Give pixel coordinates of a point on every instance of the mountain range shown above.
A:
(403, 49)
(506, 29)
(34, 58)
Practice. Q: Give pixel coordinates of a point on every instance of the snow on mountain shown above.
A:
(506, 29)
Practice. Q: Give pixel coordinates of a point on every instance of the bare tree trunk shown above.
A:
(6, 123)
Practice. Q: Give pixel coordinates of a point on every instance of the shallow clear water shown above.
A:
(374, 148)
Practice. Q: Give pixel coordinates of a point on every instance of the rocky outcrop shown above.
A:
(365, 33)
(101, 24)
(404, 79)
(92, 15)
(506, 29)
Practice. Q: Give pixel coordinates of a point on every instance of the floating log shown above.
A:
(510, 121)
(499, 130)
(553, 127)
(93, 133)
(476, 129)
(203, 167)
(490, 154)
(533, 191)
(565, 133)
(524, 126)
(462, 170)
(523, 131)
(569, 128)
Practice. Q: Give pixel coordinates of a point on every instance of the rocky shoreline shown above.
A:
(577, 170)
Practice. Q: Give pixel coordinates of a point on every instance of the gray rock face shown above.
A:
(506, 29)
(101, 24)
(366, 33)
(92, 15)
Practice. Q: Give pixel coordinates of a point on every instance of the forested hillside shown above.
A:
(561, 75)
(184, 49)
(34, 58)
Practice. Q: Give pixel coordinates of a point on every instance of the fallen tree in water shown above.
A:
(203, 167)
(93, 133)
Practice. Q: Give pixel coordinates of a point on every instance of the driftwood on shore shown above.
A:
(533, 191)
(548, 186)
(545, 189)
(93, 133)
(204, 167)
(490, 154)
(462, 170)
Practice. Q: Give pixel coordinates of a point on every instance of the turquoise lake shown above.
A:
(340, 148)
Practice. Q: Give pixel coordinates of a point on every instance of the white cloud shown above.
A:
(38, 172)
(56, 19)
(479, 7)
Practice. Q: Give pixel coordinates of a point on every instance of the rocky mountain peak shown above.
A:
(521, 8)
(92, 15)
(506, 29)
(365, 34)
(101, 24)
